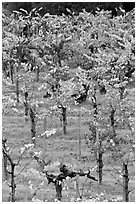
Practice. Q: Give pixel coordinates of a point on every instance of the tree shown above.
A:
(57, 180)
(13, 165)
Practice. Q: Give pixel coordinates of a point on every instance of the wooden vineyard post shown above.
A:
(100, 166)
(26, 104)
(64, 119)
(13, 185)
(98, 153)
(11, 72)
(125, 183)
(99, 158)
(33, 125)
(97, 142)
(80, 133)
(4, 160)
(112, 119)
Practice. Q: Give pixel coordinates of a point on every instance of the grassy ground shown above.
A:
(59, 149)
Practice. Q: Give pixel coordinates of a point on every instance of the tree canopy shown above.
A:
(60, 7)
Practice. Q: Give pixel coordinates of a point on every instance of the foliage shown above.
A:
(72, 59)
(61, 7)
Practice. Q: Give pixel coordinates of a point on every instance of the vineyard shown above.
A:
(68, 96)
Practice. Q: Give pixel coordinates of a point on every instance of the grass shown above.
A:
(59, 149)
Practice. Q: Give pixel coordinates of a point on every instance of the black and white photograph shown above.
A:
(68, 101)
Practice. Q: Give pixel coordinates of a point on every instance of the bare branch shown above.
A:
(117, 180)
(116, 170)
(24, 168)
